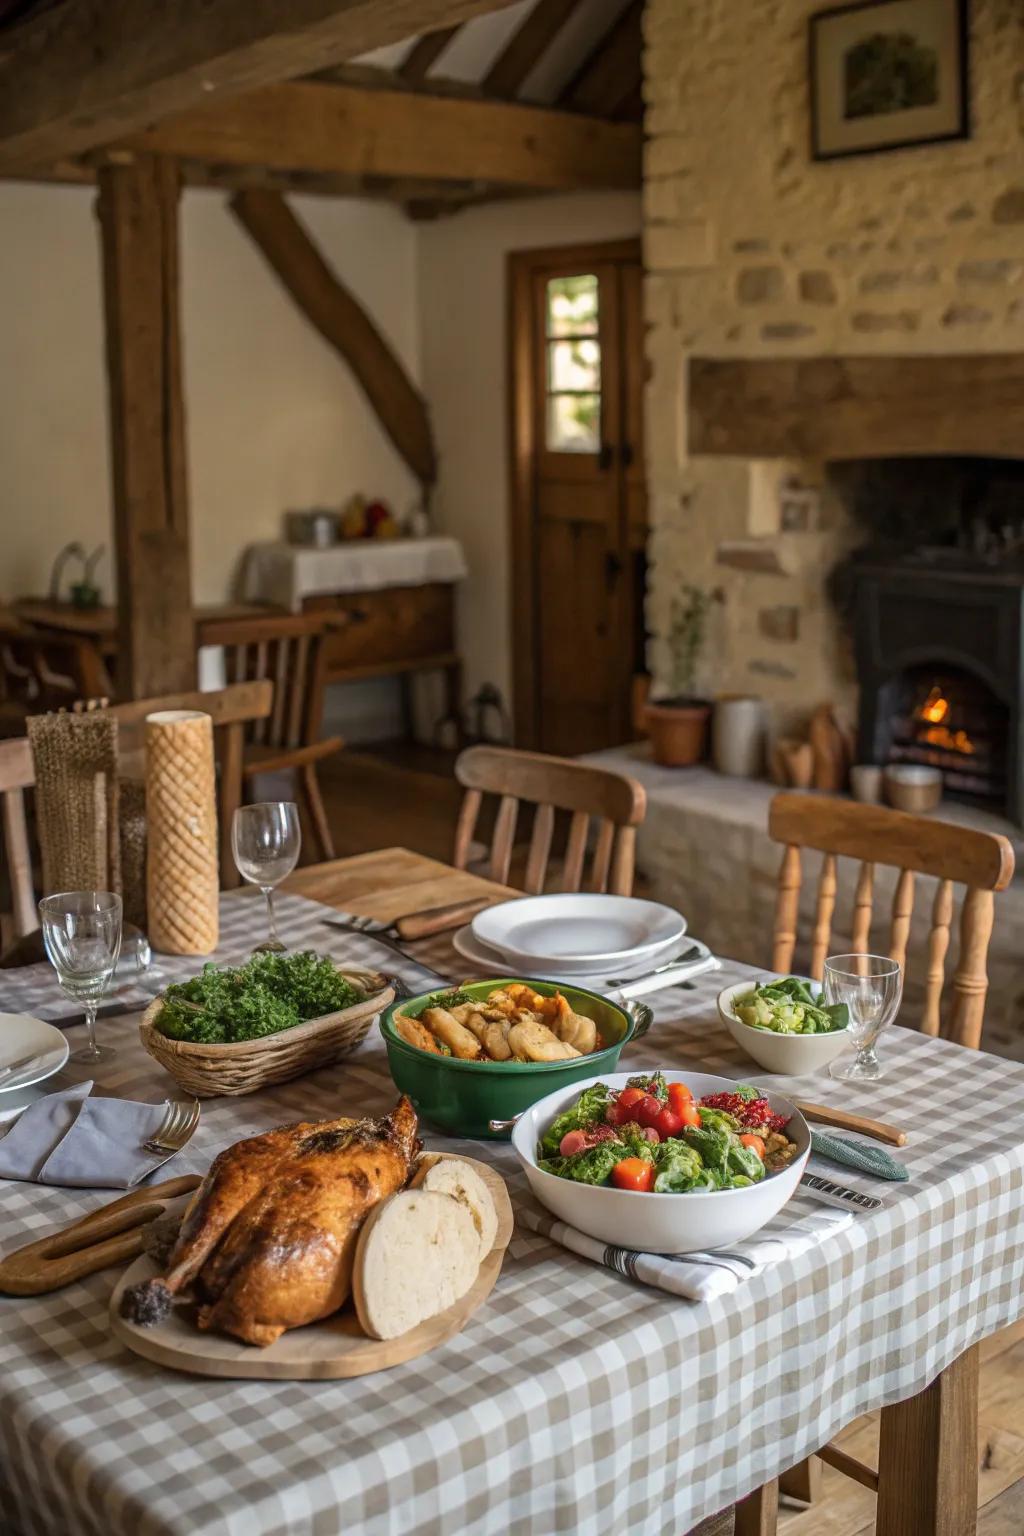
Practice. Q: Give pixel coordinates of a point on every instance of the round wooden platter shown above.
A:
(324, 1351)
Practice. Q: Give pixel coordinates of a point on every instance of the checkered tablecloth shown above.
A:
(576, 1400)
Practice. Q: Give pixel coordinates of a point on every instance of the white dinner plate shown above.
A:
(579, 931)
(21, 1035)
(487, 962)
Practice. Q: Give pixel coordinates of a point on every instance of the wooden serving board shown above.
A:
(326, 1351)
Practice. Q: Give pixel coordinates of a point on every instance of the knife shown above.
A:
(840, 1194)
(823, 1114)
(13, 1067)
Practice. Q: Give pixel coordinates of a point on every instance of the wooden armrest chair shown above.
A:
(287, 649)
(616, 802)
(983, 863)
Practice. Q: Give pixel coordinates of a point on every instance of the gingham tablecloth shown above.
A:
(576, 1400)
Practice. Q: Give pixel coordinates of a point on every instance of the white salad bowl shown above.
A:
(794, 1055)
(686, 1223)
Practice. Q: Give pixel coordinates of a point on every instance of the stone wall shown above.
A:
(755, 250)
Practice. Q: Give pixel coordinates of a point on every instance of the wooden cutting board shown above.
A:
(327, 1351)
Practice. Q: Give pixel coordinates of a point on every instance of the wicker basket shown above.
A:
(216, 1071)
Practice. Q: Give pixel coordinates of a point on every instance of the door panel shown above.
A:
(585, 521)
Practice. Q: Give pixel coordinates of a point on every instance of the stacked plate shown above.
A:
(30, 1052)
(588, 939)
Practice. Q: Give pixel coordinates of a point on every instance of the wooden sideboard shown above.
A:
(394, 632)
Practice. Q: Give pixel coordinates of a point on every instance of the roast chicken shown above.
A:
(269, 1240)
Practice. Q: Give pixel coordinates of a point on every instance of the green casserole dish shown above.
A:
(463, 1097)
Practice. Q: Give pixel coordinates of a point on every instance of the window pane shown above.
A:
(574, 364)
(574, 423)
(572, 305)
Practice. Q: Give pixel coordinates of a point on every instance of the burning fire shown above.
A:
(935, 711)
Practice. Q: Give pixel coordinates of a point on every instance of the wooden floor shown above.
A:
(408, 797)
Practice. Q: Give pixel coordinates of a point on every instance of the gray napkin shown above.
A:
(68, 1138)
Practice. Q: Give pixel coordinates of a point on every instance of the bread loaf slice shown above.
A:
(418, 1253)
(451, 1176)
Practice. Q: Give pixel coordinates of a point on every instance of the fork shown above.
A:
(669, 965)
(179, 1122)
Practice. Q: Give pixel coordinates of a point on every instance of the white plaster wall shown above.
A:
(274, 417)
(463, 304)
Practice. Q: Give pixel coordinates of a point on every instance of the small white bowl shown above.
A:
(792, 1054)
(684, 1223)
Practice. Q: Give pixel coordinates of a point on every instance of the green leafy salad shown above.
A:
(652, 1137)
(790, 1006)
(267, 994)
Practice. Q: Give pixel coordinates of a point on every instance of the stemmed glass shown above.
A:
(871, 987)
(265, 840)
(82, 935)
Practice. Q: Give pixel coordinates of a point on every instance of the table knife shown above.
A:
(844, 1120)
(839, 1194)
(19, 1066)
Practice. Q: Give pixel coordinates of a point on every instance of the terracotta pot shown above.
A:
(678, 730)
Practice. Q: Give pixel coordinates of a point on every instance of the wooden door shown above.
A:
(579, 515)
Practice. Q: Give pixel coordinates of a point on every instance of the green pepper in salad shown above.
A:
(790, 1006)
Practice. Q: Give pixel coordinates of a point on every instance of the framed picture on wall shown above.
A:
(886, 74)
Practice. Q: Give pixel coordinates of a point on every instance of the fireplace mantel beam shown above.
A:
(857, 407)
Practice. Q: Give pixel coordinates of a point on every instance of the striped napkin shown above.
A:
(801, 1224)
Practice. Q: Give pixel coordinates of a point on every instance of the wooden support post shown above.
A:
(928, 1457)
(138, 214)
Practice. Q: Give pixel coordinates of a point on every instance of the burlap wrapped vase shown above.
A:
(181, 815)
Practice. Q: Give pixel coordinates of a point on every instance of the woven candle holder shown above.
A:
(181, 816)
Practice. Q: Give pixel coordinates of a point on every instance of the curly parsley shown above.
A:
(267, 994)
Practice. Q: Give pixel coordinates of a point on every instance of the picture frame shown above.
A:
(888, 74)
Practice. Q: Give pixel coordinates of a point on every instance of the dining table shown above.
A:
(577, 1399)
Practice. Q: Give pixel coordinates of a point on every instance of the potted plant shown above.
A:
(678, 724)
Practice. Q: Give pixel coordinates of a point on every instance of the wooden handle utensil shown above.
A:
(844, 1121)
(420, 925)
(111, 1235)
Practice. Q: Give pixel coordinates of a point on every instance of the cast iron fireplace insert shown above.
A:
(940, 661)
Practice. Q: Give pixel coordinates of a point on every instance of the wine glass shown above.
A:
(871, 987)
(265, 840)
(82, 935)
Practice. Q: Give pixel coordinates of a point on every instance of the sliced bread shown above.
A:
(418, 1252)
(451, 1176)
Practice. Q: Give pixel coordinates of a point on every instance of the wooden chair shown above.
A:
(46, 670)
(616, 802)
(231, 708)
(982, 862)
(17, 775)
(287, 649)
(234, 710)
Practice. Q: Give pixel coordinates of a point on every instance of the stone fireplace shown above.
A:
(801, 315)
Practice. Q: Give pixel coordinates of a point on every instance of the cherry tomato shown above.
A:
(668, 1123)
(689, 1114)
(572, 1142)
(755, 1142)
(678, 1095)
(633, 1173)
(630, 1096)
(646, 1110)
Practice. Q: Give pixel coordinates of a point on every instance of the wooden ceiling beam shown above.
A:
(607, 79)
(344, 323)
(526, 46)
(336, 130)
(91, 71)
(415, 67)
